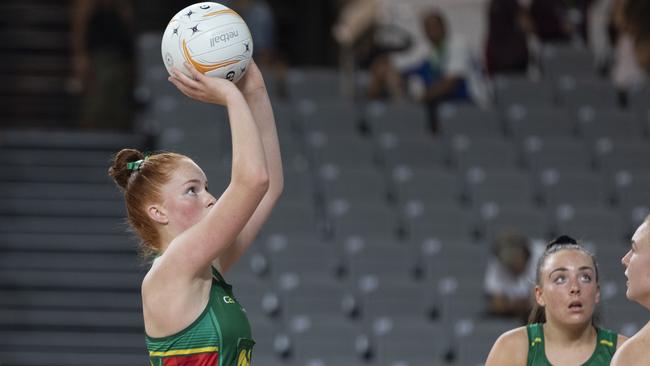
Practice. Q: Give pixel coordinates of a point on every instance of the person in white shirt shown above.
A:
(510, 274)
(445, 73)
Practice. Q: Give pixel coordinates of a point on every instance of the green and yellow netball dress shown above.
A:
(605, 347)
(220, 336)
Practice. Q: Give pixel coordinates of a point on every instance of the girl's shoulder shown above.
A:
(511, 348)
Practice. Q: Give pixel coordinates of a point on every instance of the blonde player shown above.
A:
(636, 351)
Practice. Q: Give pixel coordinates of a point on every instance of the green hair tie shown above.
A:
(134, 165)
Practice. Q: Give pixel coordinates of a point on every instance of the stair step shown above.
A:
(100, 262)
(62, 225)
(62, 207)
(28, 63)
(70, 139)
(81, 243)
(43, 15)
(33, 85)
(70, 280)
(70, 299)
(73, 357)
(32, 39)
(64, 191)
(56, 157)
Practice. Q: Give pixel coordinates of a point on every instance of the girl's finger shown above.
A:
(183, 88)
(185, 80)
(195, 73)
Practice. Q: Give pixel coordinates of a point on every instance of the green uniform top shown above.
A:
(605, 347)
(220, 336)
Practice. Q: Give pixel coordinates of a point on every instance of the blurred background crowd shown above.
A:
(64, 56)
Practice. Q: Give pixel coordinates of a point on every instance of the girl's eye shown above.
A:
(585, 277)
(559, 279)
(191, 190)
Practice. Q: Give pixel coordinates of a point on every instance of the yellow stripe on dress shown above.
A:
(607, 343)
(181, 352)
(535, 341)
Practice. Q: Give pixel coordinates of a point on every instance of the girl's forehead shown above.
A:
(569, 259)
(187, 169)
(641, 236)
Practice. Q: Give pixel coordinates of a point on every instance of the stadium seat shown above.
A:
(400, 119)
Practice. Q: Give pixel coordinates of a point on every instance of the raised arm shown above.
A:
(254, 91)
(194, 250)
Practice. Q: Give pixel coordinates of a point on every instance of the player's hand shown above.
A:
(203, 88)
(252, 79)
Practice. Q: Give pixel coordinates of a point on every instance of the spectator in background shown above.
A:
(445, 72)
(550, 20)
(507, 47)
(103, 62)
(358, 32)
(635, 16)
(510, 274)
(626, 74)
(599, 37)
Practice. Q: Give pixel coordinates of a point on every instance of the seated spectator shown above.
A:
(507, 49)
(627, 74)
(510, 274)
(445, 73)
(550, 20)
(358, 32)
(635, 17)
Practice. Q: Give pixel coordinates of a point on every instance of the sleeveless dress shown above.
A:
(605, 347)
(220, 336)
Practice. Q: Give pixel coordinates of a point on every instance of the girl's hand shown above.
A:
(203, 88)
(252, 79)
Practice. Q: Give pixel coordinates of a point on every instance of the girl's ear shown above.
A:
(157, 214)
(538, 296)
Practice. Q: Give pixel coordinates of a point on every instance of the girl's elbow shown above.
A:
(255, 180)
(277, 188)
(260, 181)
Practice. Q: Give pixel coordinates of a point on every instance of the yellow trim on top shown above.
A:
(181, 352)
(536, 340)
(607, 343)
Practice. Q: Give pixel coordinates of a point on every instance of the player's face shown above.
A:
(569, 291)
(434, 29)
(637, 266)
(186, 199)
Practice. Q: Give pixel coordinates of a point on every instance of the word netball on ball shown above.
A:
(211, 37)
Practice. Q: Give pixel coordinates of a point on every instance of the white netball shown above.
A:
(211, 37)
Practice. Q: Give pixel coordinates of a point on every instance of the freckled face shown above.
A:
(568, 290)
(637, 266)
(186, 199)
